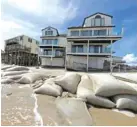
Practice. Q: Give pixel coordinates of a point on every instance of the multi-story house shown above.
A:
(52, 48)
(88, 45)
(21, 50)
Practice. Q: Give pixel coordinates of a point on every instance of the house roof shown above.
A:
(52, 28)
(95, 14)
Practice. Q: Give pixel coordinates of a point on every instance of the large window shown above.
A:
(74, 33)
(50, 42)
(77, 48)
(98, 21)
(85, 33)
(48, 33)
(100, 32)
(48, 52)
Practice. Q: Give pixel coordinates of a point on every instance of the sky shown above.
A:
(28, 17)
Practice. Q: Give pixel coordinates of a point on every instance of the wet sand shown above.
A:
(17, 108)
(107, 117)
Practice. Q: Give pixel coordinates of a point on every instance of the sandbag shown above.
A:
(129, 77)
(69, 82)
(15, 77)
(31, 78)
(18, 68)
(75, 111)
(14, 73)
(107, 86)
(85, 91)
(126, 102)
(7, 67)
(49, 88)
(6, 81)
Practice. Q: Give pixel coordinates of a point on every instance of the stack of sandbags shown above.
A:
(107, 86)
(31, 78)
(7, 66)
(49, 88)
(126, 102)
(129, 77)
(6, 81)
(85, 90)
(69, 82)
(17, 68)
(74, 111)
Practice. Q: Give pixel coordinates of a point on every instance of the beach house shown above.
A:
(89, 45)
(52, 48)
(21, 50)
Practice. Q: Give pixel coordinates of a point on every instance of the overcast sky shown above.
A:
(28, 17)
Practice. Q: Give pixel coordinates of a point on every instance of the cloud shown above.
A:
(130, 59)
(30, 16)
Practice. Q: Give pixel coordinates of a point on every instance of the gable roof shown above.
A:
(96, 14)
(52, 28)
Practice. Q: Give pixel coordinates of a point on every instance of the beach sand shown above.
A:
(18, 108)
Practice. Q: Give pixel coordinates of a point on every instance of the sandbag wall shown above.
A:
(95, 89)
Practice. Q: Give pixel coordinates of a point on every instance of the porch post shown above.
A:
(111, 60)
(87, 54)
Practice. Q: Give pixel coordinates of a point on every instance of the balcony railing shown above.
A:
(82, 50)
(11, 41)
(17, 48)
(51, 54)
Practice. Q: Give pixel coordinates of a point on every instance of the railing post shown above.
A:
(87, 54)
(111, 67)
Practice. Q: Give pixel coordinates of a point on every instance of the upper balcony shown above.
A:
(12, 41)
(85, 33)
(16, 47)
(49, 42)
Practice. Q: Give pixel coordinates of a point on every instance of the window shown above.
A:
(97, 48)
(98, 21)
(37, 42)
(49, 33)
(74, 33)
(21, 38)
(91, 49)
(29, 40)
(85, 33)
(77, 48)
(100, 32)
(47, 52)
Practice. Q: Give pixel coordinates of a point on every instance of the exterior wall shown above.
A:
(51, 29)
(81, 62)
(57, 62)
(62, 41)
(108, 20)
(32, 45)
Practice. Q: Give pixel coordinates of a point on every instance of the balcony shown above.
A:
(50, 54)
(12, 41)
(99, 51)
(91, 34)
(16, 47)
(49, 42)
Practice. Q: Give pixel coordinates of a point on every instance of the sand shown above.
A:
(107, 117)
(19, 108)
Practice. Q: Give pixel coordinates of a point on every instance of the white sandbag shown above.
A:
(7, 67)
(14, 73)
(107, 85)
(49, 88)
(129, 77)
(15, 77)
(18, 68)
(31, 78)
(69, 82)
(75, 111)
(85, 91)
(6, 81)
(126, 102)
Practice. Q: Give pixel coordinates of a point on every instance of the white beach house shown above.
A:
(88, 45)
(52, 48)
